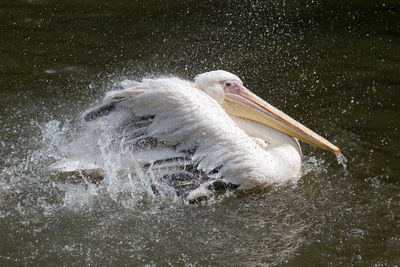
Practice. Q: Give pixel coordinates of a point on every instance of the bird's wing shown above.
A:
(173, 113)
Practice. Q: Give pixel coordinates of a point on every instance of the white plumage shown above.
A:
(189, 117)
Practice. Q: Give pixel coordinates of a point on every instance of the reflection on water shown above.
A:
(333, 66)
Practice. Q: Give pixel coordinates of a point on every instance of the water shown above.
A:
(333, 66)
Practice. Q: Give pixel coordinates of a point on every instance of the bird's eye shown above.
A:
(228, 84)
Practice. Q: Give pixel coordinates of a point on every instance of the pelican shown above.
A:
(223, 129)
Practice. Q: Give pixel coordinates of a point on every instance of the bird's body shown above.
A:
(191, 119)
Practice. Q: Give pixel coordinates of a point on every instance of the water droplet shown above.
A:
(50, 71)
(342, 160)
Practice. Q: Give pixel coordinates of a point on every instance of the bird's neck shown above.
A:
(273, 137)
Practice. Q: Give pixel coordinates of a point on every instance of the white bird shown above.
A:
(222, 128)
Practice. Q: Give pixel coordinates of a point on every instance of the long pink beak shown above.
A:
(241, 102)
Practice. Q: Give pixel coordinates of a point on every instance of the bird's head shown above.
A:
(216, 83)
(228, 90)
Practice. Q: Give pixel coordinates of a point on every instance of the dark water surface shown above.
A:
(333, 65)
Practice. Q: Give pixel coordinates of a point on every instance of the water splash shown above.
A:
(86, 165)
(313, 165)
(342, 160)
